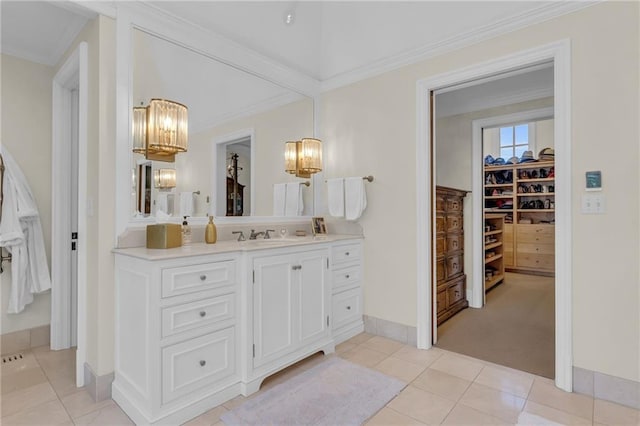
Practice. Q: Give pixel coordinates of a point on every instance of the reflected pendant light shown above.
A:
(165, 178)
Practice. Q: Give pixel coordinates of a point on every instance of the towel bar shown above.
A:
(367, 178)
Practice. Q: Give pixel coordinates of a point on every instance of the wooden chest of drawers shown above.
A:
(451, 281)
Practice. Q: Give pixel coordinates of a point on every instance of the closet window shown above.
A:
(514, 140)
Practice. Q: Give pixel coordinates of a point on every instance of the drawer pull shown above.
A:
(457, 293)
(203, 277)
(202, 363)
(296, 267)
(347, 276)
(346, 253)
(348, 308)
(203, 313)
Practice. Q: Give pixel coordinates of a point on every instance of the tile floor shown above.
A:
(443, 388)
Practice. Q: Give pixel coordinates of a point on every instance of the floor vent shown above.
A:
(9, 358)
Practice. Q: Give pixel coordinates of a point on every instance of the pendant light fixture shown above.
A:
(165, 178)
(160, 130)
(304, 157)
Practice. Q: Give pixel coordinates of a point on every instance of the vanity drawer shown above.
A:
(346, 276)
(346, 253)
(202, 313)
(193, 278)
(454, 265)
(197, 363)
(347, 307)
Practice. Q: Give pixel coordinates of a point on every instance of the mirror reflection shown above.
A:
(238, 124)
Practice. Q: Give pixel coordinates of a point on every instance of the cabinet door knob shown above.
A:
(203, 277)
(203, 313)
(202, 363)
(347, 276)
(348, 308)
(346, 253)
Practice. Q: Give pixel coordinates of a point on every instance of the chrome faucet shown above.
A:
(266, 234)
(241, 236)
(254, 235)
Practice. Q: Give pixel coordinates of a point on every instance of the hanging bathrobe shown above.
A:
(21, 235)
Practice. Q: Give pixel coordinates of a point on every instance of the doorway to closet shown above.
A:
(558, 55)
(500, 124)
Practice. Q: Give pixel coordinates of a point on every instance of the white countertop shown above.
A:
(201, 249)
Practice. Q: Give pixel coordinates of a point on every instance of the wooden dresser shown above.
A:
(451, 280)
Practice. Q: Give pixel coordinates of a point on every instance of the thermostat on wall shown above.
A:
(594, 181)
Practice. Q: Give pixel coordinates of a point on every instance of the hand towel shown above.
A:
(335, 195)
(293, 201)
(279, 196)
(355, 198)
(187, 203)
(162, 203)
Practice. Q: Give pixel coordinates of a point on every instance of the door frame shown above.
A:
(73, 74)
(560, 53)
(477, 299)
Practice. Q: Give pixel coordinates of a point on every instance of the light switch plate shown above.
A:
(593, 204)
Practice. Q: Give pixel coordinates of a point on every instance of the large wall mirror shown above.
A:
(238, 124)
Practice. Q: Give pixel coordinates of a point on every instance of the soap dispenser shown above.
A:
(210, 232)
(186, 232)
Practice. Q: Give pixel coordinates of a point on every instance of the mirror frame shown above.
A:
(138, 16)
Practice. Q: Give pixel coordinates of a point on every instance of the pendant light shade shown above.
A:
(160, 130)
(304, 157)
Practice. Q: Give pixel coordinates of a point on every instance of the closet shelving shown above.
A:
(493, 249)
(525, 194)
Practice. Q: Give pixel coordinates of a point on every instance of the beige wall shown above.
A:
(26, 133)
(370, 128)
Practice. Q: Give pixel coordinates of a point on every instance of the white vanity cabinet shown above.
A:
(177, 336)
(291, 307)
(346, 271)
(198, 325)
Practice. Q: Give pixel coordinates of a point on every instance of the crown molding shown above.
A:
(540, 14)
(150, 18)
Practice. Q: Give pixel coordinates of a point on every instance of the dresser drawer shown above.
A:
(193, 278)
(537, 261)
(346, 276)
(441, 301)
(202, 313)
(441, 203)
(440, 224)
(441, 273)
(455, 292)
(454, 223)
(441, 247)
(346, 253)
(454, 265)
(534, 248)
(454, 242)
(347, 307)
(196, 363)
(454, 205)
(535, 234)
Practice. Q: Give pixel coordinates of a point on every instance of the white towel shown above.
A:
(335, 195)
(187, 203)
(355, 198)
(279, 196)
(293, 202)
(21, 234)
(162, 203)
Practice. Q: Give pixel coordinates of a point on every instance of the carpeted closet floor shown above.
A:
(516, 328)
